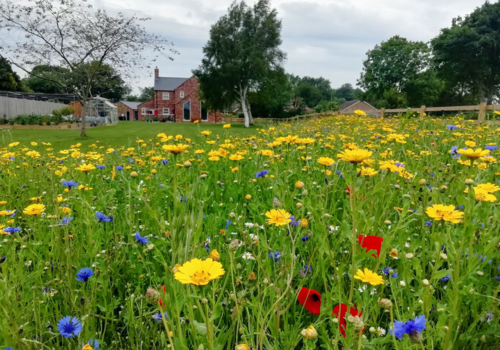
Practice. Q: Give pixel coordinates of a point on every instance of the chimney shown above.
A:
(157, 73)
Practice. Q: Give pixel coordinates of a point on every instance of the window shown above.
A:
(182, 94)
(166, 111)
(187, 111)
(143, 111)
(204, 112)
(166, 96)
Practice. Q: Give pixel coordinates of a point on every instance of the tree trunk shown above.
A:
(250, 116)
(243, 100)
(83, 131)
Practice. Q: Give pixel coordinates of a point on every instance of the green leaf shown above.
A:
(442, 273)
(200, 327)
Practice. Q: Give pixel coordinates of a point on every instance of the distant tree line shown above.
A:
(460, 66)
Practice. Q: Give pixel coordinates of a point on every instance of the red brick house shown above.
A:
(176, 100)
(127, 110)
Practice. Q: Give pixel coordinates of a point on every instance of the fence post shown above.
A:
(382, 112)
(482, 112)
(422, 111)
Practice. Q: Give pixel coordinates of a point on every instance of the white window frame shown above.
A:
(181, 94)
(168, 111)
(165, 96)
(143, 111)
(190, 111)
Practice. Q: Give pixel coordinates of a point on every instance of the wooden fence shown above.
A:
(481, 109)
(276, 120)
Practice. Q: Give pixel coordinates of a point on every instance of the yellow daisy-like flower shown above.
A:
(488, 187)
(360, 113)
(199, 272)
(175, 149)
(65, 210)
(226, 126)
(355, 155)
(236, 157)
(34, 209)
(86, 168)
(444, 212)
(278, 217)
(474, 154)
(367, 171)
(326, 161)
(7, 212)
(370, 277)
(483, 196)
(206, 133)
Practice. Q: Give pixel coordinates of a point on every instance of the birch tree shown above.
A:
(244, 47)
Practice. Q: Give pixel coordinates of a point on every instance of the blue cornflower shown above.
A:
(388, 271)
(158, 317)
(410, 327)
(164, 161)
(454, 152)
(276, 256)
(12, 229)
(497, 278)
(428, 223)
(491, 148)
(103, 217)
(84, 274)
(445, 278)
(141, 239)
(305, 239)
(451, 127)
(65, 221)
(2, 259)
(118, 167)
(94, 343)
(307, 269)
(101, 167)
(227, 224)
(12, 158)
(130, 160)
(69, 326)
(69, 184)
(185, 199)
(294, 222)
(262, 173)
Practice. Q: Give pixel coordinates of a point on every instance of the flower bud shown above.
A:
(152, 296)
(134, 174)
(299, 205)
(305, 193)
(445, 328)
(350, 318)
(425, 282)
(299, 185)
(469, 182)
(187, 164)
(422, 182)
(358, 324)
(416, 337)
(483, 339)
(443, 188)
(234, 245)
(248, 197)
(309, 333)
(276, 202)
(204, 300)
(242, 347)
(387, 222)
(409, 256)
(214, 255)
(443, 256)
(385, 303)
(402, 284)
(372, 330)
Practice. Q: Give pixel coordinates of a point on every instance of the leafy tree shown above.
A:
(311, 95)
(89, 40)
(243, 50)
(9, 80)
(347, 92)
(146, 94)
(48, 79)
(273, 97)
(467, 55)
(395, 67)
(322, 84)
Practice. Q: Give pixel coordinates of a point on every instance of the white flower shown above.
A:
(254, 237)
(167, 223)
(402, 283)
(407, 245)
(334, 228)
(380, 331)
(248, 256)
(249, 224)
(234, 233)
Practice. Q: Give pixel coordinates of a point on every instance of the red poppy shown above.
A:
(161, 301)
(311, 300)
(371, 243)
(339, 311)
(349, 193)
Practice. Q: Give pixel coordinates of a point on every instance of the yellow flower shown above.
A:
(34, 209)
(278, 217)
(470, 143)
(483, 195)
(474, 154)
(33, 154)
(86, 168)
(226, 126)
(369, 277)
(488, 187)
(175, 149)
(214, 255)
(3, 202)
(309, 333)
(7, 212)
(87, 347)
(235, 169)
(248, 197)
(360, 113)
(196, 121)
(267, 152)
(304, 223)
(65, 210)
(299, 185)
(355, 155)
(326, 161)
(13, 144)
(236, 157)
(199, 272)
(242, 347)
(394, 253)
(206, 133)
(444, 212)
(368, 172)
(214, 158)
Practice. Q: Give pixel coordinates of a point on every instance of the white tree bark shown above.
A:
(250, 116)
(244, 108)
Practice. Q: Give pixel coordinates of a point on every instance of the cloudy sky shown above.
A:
(326, 38)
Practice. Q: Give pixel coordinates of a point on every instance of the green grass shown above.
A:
(124, 133)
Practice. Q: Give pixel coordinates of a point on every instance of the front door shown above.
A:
(128, 115)
(136, 115)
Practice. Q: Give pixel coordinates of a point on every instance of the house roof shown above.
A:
(347, 104)
(168, 84)
(130, 104)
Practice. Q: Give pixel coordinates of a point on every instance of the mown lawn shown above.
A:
(124, 133)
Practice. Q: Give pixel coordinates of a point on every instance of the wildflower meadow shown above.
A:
(343, 232)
